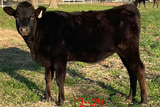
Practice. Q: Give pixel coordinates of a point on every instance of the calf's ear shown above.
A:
(9, 10)
(40, 11)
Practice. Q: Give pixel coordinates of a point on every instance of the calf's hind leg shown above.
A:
(135, 67)
(133, 80)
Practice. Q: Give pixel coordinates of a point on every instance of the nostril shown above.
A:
(20, 29)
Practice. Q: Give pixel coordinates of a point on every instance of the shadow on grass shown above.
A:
(112, 91)
(14, 59)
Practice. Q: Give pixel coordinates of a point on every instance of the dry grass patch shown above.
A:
(10, 38)
(112, 4)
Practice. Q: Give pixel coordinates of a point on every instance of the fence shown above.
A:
(46, 2)
(15, 2)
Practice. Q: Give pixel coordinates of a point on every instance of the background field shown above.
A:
(22, 80)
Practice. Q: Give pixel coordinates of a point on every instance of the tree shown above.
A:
(34, 3)
(53, 4)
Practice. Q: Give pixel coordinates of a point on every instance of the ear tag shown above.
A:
(40, 15)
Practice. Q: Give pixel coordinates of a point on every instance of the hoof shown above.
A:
(60, 103)
(144, 103)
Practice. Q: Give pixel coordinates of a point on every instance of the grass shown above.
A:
(22, 80)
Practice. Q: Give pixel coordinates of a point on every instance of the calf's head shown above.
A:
(26, 17)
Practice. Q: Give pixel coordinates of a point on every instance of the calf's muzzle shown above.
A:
(24, 31)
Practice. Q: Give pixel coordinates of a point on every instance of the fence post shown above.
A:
(37, 2)
(2, 3)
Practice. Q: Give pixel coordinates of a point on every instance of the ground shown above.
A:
(107, 78)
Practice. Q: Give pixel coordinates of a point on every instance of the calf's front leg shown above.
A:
(60, 69)
(48, 78)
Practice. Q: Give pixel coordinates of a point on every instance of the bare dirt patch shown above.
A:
(112, 4)
(10, 38)
(157, 37)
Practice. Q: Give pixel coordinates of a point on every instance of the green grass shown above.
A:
(22, 80)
